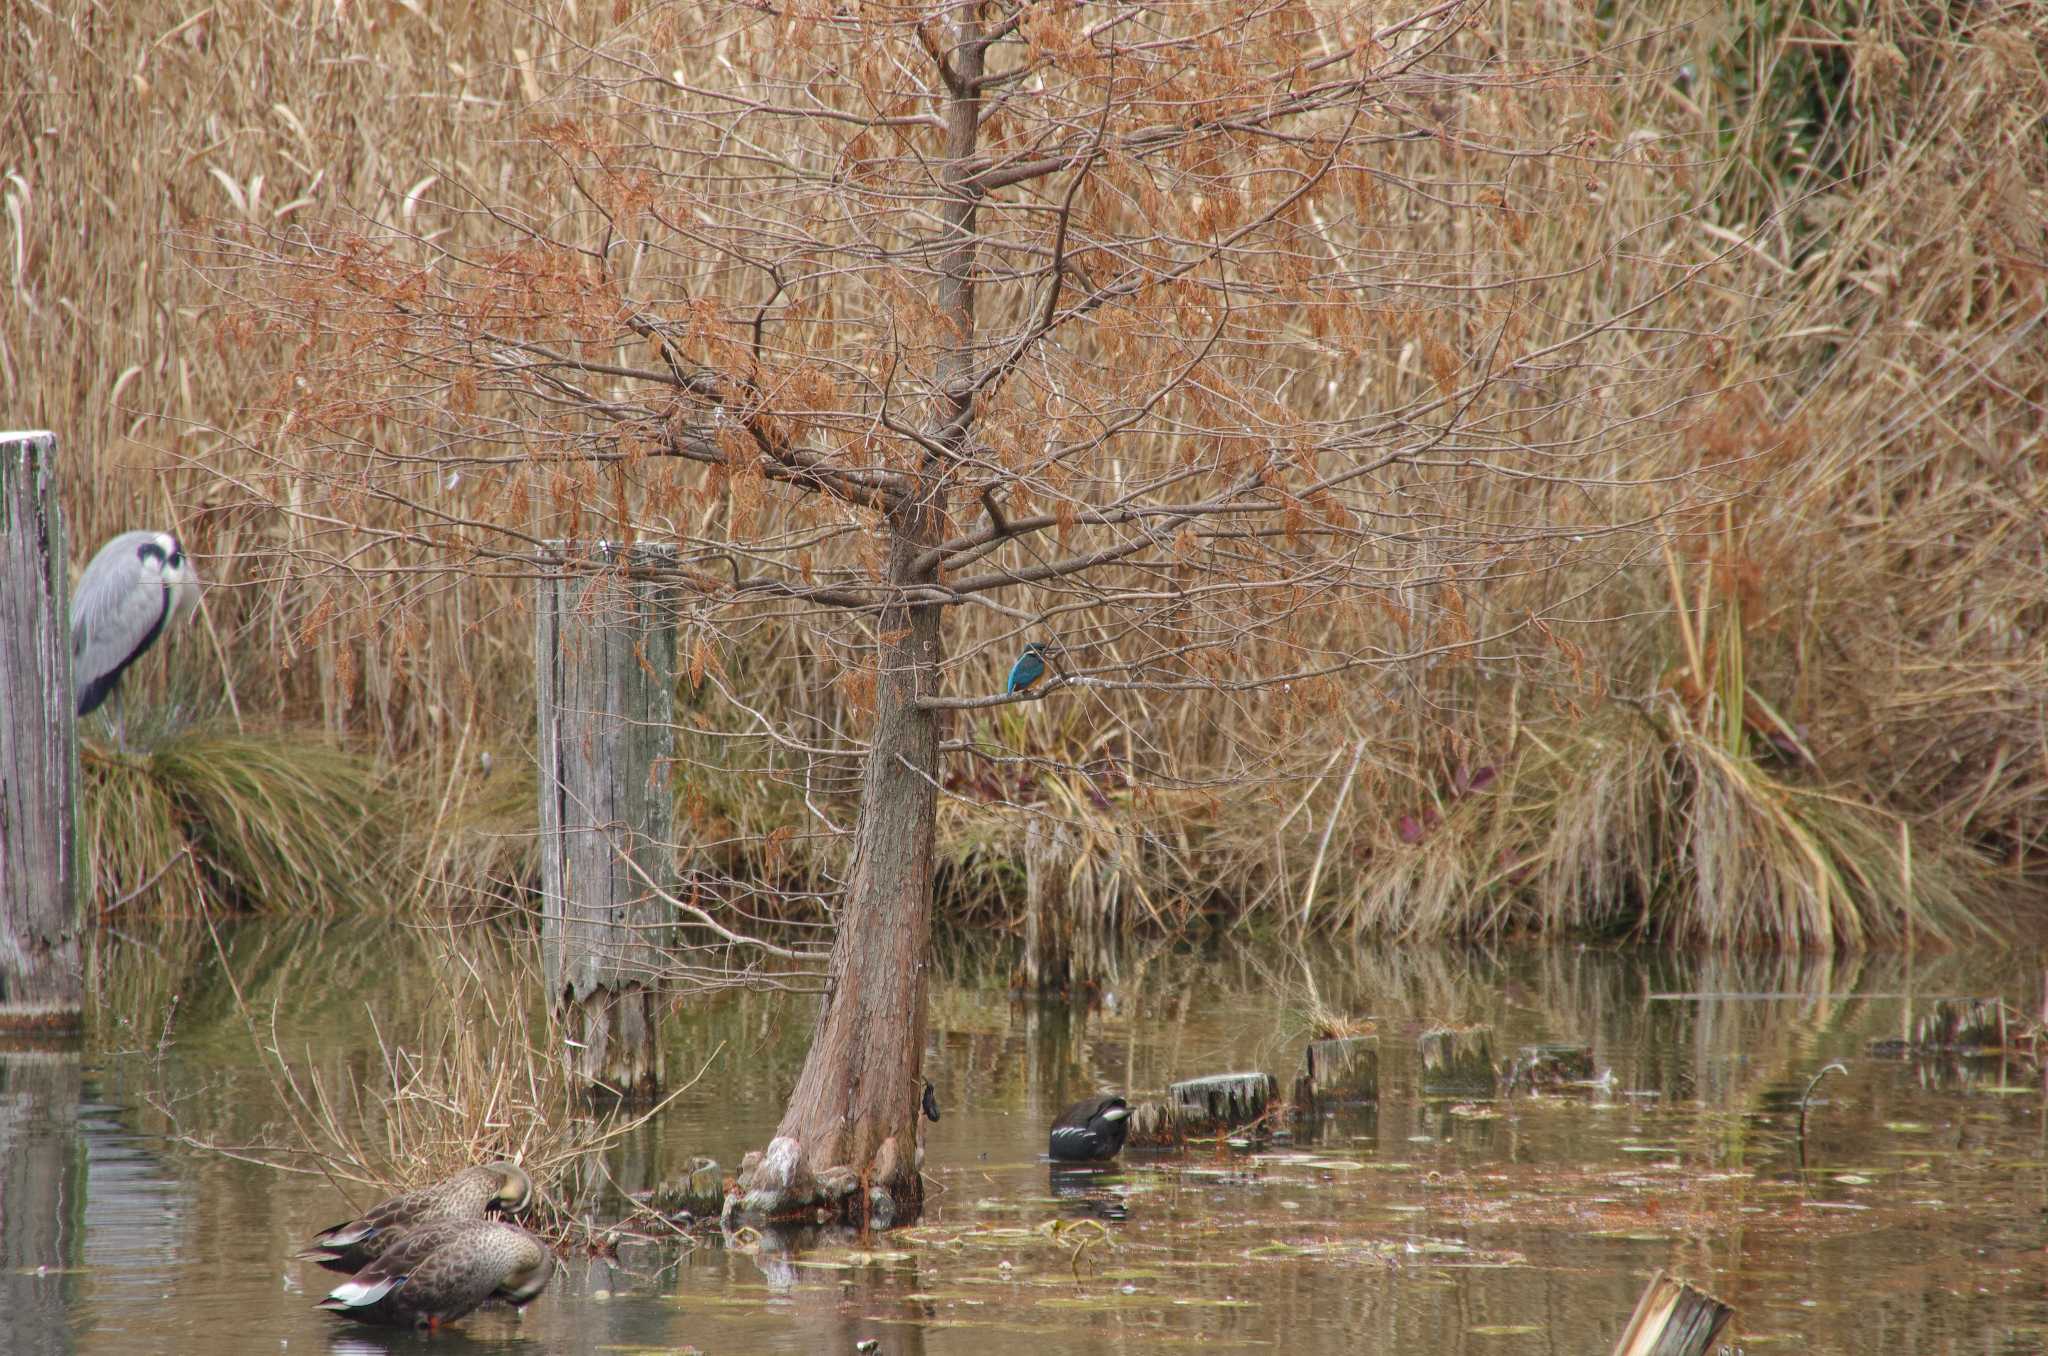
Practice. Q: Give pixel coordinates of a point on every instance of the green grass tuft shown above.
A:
(274, 824)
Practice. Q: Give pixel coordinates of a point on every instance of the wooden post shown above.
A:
(1048, 920)
(41, 982)
(605, 652)
(1551, 1065)
(1457, 1061)
(1338, 1069)
(1673, 1319)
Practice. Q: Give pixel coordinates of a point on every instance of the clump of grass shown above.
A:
(1679, 838)
(267, 823)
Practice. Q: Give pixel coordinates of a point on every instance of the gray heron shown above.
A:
(135, 587)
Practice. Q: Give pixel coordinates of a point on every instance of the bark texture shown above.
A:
(857, 1101)
(857, 1104)
(41, 984)
(605, 650)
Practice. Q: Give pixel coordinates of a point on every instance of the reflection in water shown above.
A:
(1468, 1228)
(1088, 1190)
(39, 1195)
(134, 1220)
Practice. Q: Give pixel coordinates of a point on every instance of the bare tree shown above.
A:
(1186, 338)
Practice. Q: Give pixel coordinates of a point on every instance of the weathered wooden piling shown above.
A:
(605, 652)
(1457, 1062)
(41, 982)
(1048, 924)
(1068, 897)
(1673, 1319)
(1340, 1069)
(1152, 1125)
(1962, 1024)
(1222, 1102)
(1197, 1108)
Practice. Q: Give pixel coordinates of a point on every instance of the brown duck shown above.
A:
(435, 1273)
(468, 1195)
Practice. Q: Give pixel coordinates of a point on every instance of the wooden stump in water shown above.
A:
(1152, 1125)
(1201, 1107)
(1551, 1066)
(1673, 1319)
(1068, 901)
(1962, 1024)
(700, 1192)
(605, 652)
(41, 982)
(1338, 1070)
(1048, 923)
(1221, 1102)
(1457, 1062)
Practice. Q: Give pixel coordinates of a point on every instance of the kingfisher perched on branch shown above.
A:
(1029, 668)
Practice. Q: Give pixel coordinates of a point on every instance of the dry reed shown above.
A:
(1857, 392)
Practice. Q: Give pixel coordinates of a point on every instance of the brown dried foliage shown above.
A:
(1308, 350)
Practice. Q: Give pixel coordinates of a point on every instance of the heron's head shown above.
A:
(163, 562)
(160, 555)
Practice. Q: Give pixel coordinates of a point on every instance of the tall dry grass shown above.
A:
(1857, 384)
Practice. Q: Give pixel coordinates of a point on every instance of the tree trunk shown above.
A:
(605, 657)
(856, 1104)
(850, 1135)
(41, 984)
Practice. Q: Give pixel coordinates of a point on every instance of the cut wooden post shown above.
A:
(1048, 921)
(1457, 1062)
(1962, 1024)
(605, 651)
(1221, 1102)
(1673, 1319)
(1200, 1107)
(41, 982)
(1339, 1069)
(1153, 1125)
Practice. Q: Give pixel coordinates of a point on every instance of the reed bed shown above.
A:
(1803, 710)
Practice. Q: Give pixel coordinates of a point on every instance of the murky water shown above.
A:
(1525, 1225)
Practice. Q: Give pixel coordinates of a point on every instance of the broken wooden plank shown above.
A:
(1673, 1319)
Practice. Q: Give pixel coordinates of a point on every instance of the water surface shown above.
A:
(1522, 1225)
